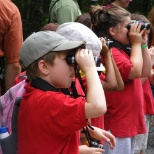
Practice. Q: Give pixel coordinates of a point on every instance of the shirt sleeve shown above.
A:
(13, 39)
(123, 62)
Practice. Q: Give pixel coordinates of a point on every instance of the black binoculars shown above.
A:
(143, 24)
(70, 59)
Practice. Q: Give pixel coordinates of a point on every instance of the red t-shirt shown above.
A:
(148, 98)
(125, 116)
(49, 122)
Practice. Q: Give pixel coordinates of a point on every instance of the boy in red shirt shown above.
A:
(49, 121)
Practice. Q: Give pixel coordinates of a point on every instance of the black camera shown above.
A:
(95, 143)
(109, 44)
(70, 59)
(143, 24)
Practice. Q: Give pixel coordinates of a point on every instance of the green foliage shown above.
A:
(34, 13)
(141, 6)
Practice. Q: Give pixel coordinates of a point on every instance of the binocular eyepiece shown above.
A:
(143, 24)
(70, 59)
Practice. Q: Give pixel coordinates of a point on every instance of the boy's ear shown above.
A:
(43, 67)
(112, 31)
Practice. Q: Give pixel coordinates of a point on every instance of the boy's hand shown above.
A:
(104, 135)
(83, 149)
(85, 60)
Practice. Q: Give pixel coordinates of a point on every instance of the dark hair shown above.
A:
(105, 18)
(84, 19)
(50, 26)
(140, 17)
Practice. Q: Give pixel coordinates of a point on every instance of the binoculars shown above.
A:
(143, 24)
(70, 59)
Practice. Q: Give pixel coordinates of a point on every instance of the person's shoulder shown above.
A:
(70, 3)
(8, 6)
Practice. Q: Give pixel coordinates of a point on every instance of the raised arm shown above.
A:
(146, 56)
(136, 59)
(113, 80)
(96, 102)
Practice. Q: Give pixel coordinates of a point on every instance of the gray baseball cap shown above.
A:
(40, 43)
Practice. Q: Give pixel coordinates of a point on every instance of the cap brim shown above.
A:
(67, 45)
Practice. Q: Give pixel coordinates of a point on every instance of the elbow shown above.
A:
(146, 74)
(112, 87)
(116, 87)
(101, 110)
(121, 87)
(135, 75)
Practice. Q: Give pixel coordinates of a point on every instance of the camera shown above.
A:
(95, 143)
(143, 24)
(70, 59)
(109, 44)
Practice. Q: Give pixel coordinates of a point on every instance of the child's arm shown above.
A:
(104, 135)
(84, 149)
(96, 103)
(151, 77)
(146, 70)
(135, 37)
(111, 82)
(120, 83)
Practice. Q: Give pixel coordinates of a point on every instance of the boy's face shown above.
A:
(60, 73)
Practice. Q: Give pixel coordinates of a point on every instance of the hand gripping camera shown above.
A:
(109, 44)
(143, 24)
(92, 141)
(95, 143)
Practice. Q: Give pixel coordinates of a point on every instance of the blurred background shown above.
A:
(34, 13)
